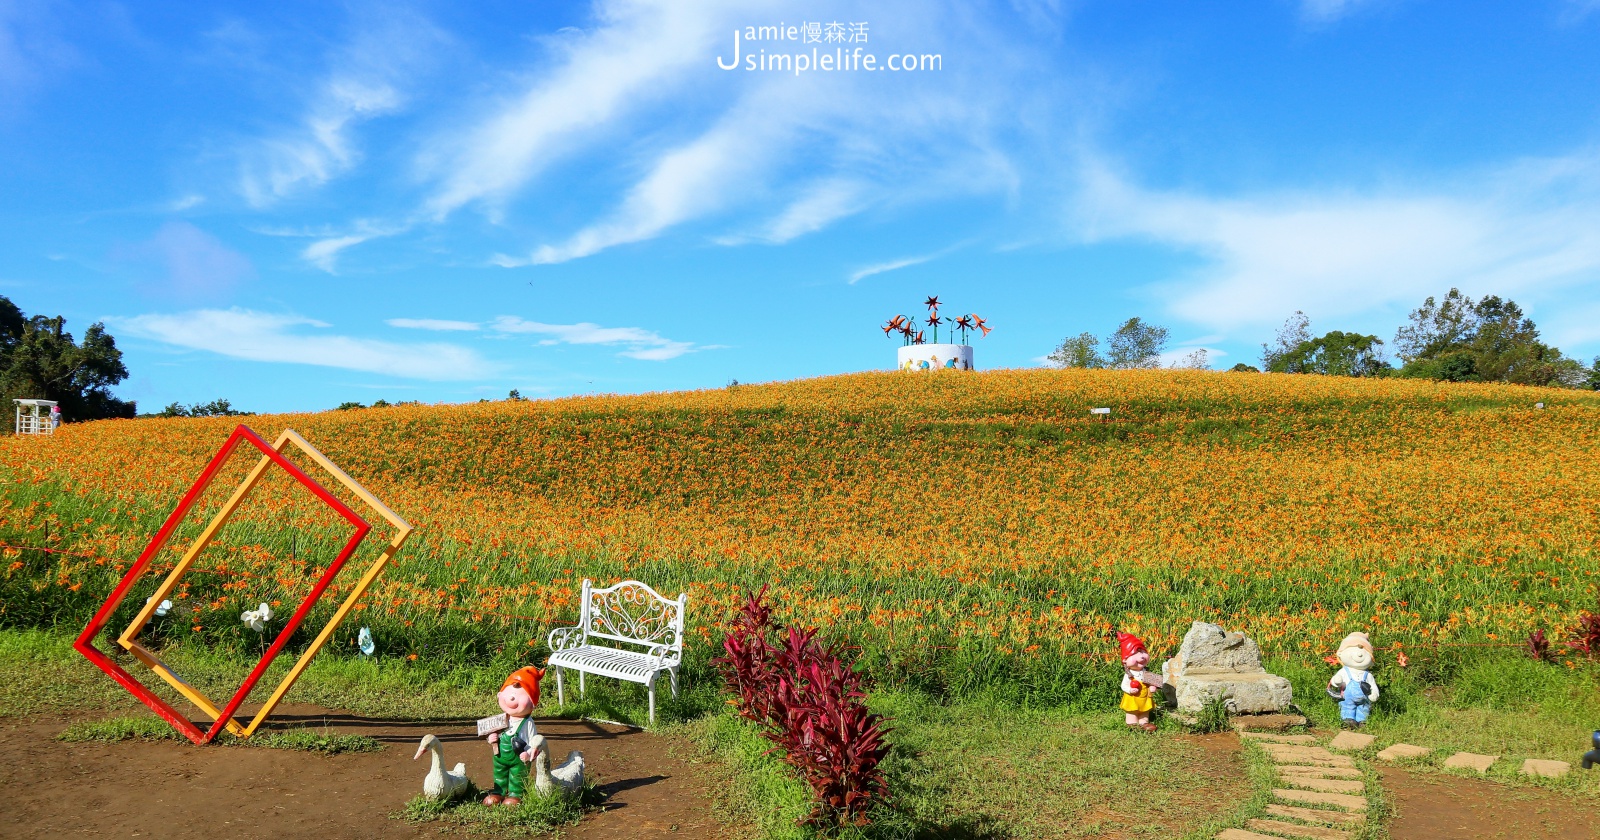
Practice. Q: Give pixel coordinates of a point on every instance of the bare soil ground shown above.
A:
(173, 789)
(1438, 807)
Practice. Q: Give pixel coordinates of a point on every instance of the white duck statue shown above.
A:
(567, 778)
(438, 784)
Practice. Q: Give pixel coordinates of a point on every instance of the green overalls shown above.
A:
(510, 771)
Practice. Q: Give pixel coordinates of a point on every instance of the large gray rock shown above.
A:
(1212, 664)
(1208, 649)
(1245, 694)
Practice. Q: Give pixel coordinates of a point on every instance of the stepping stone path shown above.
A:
(1323, 792)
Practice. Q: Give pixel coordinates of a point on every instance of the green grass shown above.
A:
(983, 770)
(533, 817)
(134, 728)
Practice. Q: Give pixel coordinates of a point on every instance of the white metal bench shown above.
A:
(629, 613)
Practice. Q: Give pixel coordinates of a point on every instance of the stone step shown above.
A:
(1352, 741)
(1472, 761)
(1301, 761)
(1276, 738)
(1395, 752)
(1316, 797)
(1321, 815)
(1288, 829)
(1318, 772)
(1241, 834)
(1297, 751)
(1545, 767)
(1324, 785)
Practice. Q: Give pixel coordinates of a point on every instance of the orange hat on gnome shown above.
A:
(527, 679)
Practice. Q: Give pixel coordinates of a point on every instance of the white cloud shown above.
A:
(1327, 11)
(189, 263)
(432, 324)
(636, 53)
(1527, 228)
(364, 81)
(264, 337)
(796, 151)
(640, 343)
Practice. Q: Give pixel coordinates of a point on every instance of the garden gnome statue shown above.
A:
(1352, 685)
(1592, 757)
(512, 753)
(1137, 683)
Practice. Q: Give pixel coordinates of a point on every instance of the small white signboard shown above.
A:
(491, 725)
(1099, 411)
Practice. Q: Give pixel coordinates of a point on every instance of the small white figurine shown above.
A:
(438, 784)
(1353, 685)
(568, 778)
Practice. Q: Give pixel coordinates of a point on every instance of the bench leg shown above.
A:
(674, 673)
(583, 688)
(652, 686)
(561, 693)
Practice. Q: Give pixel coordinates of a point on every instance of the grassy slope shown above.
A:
(1296, 508)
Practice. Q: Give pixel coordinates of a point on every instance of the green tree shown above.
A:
(1335, 354)
(1296, 330)
(1458, 339)
(1136, 345)
(1080, 351)
(40, 360)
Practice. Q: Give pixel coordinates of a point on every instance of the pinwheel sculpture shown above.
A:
(906, 326)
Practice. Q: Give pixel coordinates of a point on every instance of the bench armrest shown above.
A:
(666, 656)
(564, 638)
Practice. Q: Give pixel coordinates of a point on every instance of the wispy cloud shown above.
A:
(1327, 11)
(432, 324)
(634, 55)
(32, 48)
(365, 80)
(797, 152)
(185, 262)
(639, 343)
(1530, 227)
(293, 339)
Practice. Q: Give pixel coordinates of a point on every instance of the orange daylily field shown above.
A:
(984, 520)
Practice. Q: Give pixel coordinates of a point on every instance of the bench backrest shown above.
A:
(632, 612)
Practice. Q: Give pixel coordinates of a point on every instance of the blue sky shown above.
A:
(297, 206)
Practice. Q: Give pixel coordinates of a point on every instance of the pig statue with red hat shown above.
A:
(510, 736)
(1137, 683)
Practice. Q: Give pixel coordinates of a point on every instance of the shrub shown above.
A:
(1586, 635)
(809, 702)
(1538, 647)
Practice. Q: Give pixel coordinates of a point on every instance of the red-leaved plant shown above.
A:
(1538, 647)
(809, 703)
(1586, 635)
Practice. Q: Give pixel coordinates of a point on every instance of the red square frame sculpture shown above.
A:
(222, 717)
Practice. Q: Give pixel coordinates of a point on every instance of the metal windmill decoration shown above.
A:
(906, 326)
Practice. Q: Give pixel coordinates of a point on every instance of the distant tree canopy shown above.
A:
(215, 408)
(1458, 339)
(40, 360)
(1136, 344)
(1334, 354)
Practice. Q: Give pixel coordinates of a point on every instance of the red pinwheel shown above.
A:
(932, 302)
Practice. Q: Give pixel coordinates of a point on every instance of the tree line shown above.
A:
(1452, 339)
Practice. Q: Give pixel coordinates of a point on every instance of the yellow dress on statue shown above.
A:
(1135, 702)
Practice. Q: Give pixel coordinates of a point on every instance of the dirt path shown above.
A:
(1438, 807)
(171, 789)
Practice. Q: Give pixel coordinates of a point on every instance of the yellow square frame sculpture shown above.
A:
(129, 638)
